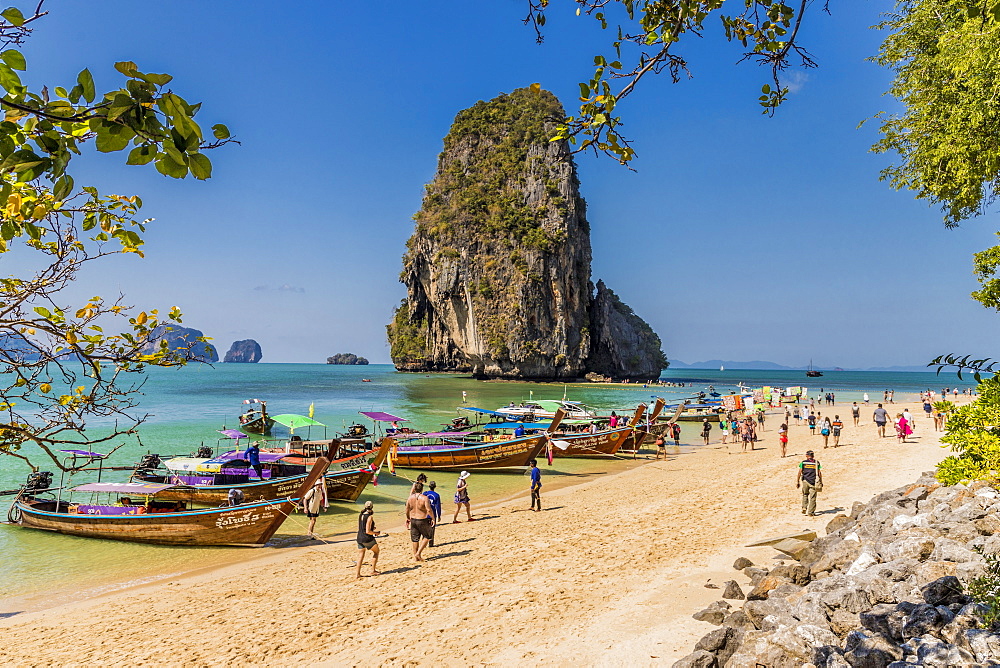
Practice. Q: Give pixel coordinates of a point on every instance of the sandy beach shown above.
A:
(609, 574)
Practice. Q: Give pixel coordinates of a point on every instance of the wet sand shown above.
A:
(609, 574)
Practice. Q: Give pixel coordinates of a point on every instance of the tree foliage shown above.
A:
(61, 364)
(947, 76)
(647, 35)
(973, 432)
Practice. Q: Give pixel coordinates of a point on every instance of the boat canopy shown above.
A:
(84, 453)
(484, 411)
(293, 421)
(147, 488)
(233, 433)
(445, 434)
(380, 417)
(515, 425)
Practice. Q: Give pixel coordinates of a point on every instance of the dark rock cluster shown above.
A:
(882, 589)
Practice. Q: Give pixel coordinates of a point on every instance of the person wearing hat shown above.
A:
(462, 498)
(366, 538)
(706, 429)
(810, 480)
(313, 500)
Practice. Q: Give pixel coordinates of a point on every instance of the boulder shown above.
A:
(755, 574)
(796, 573)
(713, 614)
(765, 585)
(733, 591)
(983, 644)
(741, 563)
(862, 650)
(839, 522)
(697, 659)
(943, 591)
(925, 619)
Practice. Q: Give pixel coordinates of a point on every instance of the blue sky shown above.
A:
(739, 237)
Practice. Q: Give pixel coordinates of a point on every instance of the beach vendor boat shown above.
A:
(135, 511)
(211, 481)
(255, 419)
(459, 451)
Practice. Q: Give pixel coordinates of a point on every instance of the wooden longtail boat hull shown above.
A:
(261, 425)
(500, 454)
(340, 486)
(248, 524)
(601, 444)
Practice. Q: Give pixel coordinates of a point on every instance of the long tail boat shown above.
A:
(639, 434)
(599, 444)
(256, 421)
(454, 454)
(156, 521)
(213, 480)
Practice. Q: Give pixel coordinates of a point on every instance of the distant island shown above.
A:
(185, 340)
(346, 358)
(760, 365)
(244, 352)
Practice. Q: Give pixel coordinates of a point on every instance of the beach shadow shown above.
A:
(480, 518)
(830, 511)
(456, 553)
(8, 615)
(553, 508)
(401, 569)
(454, 542)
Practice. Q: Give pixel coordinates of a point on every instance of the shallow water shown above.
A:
(188, 405)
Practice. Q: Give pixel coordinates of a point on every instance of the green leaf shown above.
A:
(63, 187)
(14, 59)
(220, 131)
(169, 167)
(141, 155)
(8, 78)
(201, 166)
(86, 81)
(119, 105)
(113, 138)
(13, 16)
(127, 67)
(158, 79)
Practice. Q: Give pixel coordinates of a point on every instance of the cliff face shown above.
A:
(624, 345)
(498, 269)
(246, 351)
(183, 339)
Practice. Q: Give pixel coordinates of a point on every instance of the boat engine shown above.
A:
(357, 430)
(204, 452)
(148, 462)
(38, 481)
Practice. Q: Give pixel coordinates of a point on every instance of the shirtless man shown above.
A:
(419, 520)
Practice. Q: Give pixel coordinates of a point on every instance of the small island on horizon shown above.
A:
(346, 358)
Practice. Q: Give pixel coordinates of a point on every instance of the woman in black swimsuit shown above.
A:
(366, 538)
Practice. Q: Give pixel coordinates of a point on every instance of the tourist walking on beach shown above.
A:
(837, 426)
(675, 429)
(419, 520)
(783, 438)
(928, 408)
(880, 416)
(724, 428)
(435, 500)
(903, 428)
(892, 396)
(812, 424)
(866, 398)
(536, 483)
(760, 417)
(462, 498)
(824, 431)
(797, 415)
(366, 538)
(909, 420)
(313, 501)
(810, 481)
(706, 430)
(856, 413)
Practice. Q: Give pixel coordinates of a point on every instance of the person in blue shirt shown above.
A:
(435, 500)
(536, 486)
(253, 456)
(519, 431)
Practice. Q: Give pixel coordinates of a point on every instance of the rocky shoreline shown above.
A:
(884, 587)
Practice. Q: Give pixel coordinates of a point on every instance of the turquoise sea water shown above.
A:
(187, 406)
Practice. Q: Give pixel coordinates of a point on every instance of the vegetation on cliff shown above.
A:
(407, 339)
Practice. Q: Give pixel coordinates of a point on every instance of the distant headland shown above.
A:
(346, 358)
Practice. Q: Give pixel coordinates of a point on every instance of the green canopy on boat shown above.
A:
(293, 421)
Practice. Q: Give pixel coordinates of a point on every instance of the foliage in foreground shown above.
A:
(973, 432)
(62, 364)
(985, 589)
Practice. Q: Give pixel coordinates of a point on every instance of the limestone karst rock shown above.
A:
(498, 268)
(246, 351)
(183, 339)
